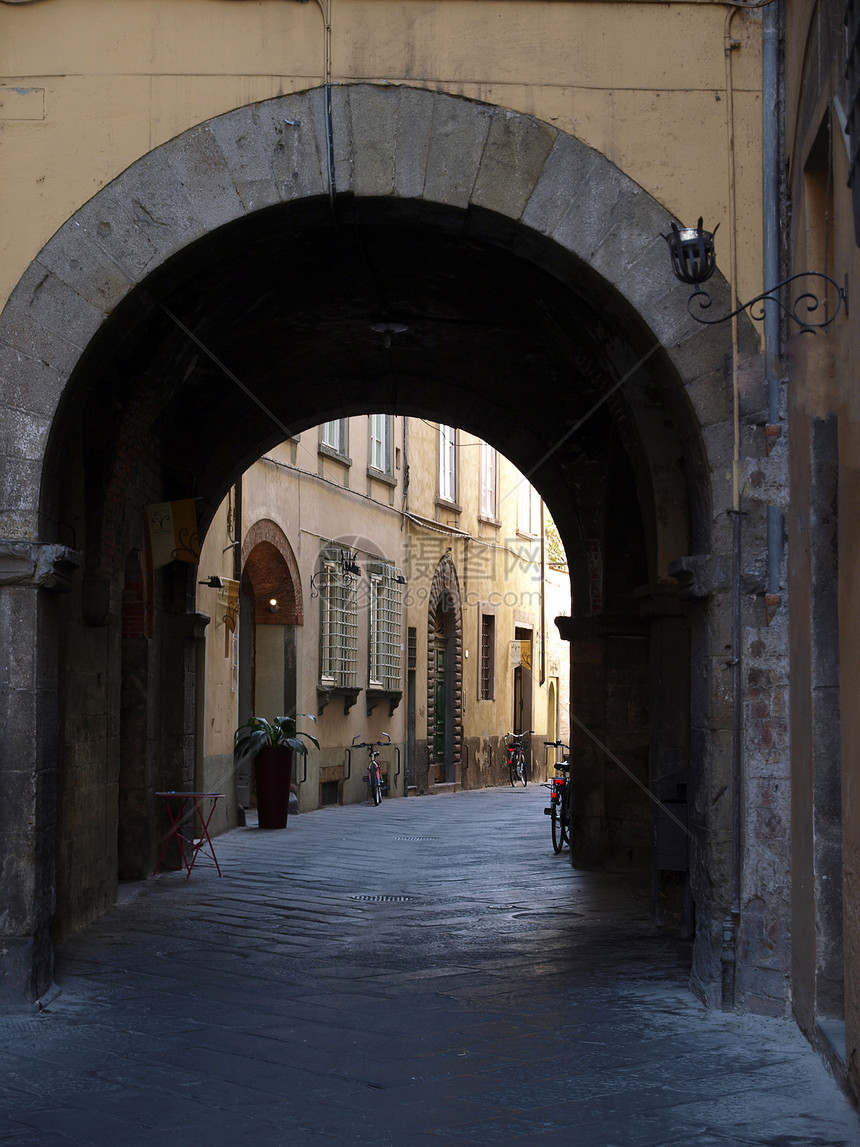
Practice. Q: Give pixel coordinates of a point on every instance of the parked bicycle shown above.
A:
(559, 787)
(374, 781)
(517, 757)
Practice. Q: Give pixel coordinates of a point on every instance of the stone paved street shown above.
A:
(425, 970)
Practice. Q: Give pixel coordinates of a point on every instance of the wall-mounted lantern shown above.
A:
(345, 573)
(694, 261)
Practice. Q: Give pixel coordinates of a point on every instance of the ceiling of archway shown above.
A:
(503, 337)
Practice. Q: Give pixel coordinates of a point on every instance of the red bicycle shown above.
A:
(559, 798)
(517, 757)
(375, 785)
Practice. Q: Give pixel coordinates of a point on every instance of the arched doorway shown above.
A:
(517, 306)
(271, 616)
(444, 675)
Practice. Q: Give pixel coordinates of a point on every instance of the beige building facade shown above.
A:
(226, 223)
(443, 640)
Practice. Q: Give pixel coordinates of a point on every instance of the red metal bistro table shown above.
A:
(177, 805)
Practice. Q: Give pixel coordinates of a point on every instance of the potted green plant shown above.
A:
(272, 745)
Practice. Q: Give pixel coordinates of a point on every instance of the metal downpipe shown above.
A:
(770, 267)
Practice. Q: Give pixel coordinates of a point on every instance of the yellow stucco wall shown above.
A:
(496, 565)
(88, 86)
(312, 497)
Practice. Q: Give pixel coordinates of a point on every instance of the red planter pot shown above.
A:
(273, 771)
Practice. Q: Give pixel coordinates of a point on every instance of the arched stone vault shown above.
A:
(530, 274)
(401, 145)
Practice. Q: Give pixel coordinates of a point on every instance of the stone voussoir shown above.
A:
(241, 145)
(204, 174)
(154, 198)
(457, 139)
(517, 149)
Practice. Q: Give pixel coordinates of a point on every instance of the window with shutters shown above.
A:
(448, 463)
(338, 623)
(489, 471)
(488, 647)
(528, 509)
(379, 454)
(333, 438)
(385, 607)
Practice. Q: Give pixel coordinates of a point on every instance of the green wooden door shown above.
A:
(439, 708)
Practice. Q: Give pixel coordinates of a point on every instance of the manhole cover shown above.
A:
(381, 899)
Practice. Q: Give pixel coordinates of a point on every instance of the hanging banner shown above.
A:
(227, 610)
(173, 532)
(521, 654)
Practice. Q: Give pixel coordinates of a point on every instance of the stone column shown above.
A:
(669, 770)
(180, 699)
(31, 574)
(705, 583)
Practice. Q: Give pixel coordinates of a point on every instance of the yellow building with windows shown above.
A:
(392, 582)
(226, 223)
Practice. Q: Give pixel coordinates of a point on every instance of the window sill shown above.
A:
(444, 504)
(381, 476)
(326, 693)
(375, 697)
(496, 523)
(330, 452)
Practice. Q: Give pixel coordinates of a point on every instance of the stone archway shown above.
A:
(121, 284)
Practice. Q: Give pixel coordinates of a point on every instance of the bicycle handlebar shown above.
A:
(356, 744)
(525, 733)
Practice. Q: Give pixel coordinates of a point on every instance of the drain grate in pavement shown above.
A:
(416, 838)
(380, 899)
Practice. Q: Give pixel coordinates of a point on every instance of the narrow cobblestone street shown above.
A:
(428, 969)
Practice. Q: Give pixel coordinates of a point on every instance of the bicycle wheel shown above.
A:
(512, 769)
(376, 786)
(521, 769)
(557, 828)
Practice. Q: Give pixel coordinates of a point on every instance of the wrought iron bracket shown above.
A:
(805, 299)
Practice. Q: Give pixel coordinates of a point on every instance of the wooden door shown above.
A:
(440, 693)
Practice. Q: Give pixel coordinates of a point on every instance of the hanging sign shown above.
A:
(521, 654)
(227, 610)
(173, 532)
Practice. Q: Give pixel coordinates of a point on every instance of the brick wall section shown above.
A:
(270, 564)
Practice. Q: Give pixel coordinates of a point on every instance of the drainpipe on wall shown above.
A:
(542, 594)
(770, 269)
(770, 227)
(325, 9)
(732, 920)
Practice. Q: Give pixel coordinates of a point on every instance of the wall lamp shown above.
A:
(273, 606)
(694, 261)
(347, 571)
